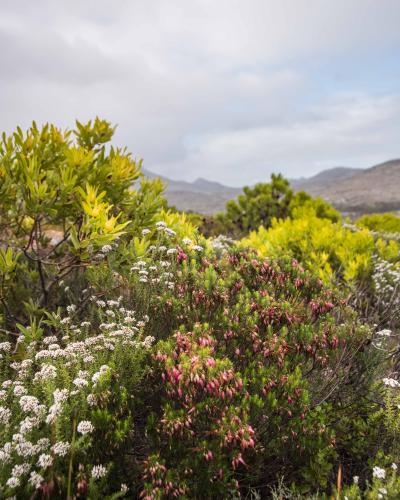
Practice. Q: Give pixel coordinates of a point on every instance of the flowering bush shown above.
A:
(66, 408)
(231, 372)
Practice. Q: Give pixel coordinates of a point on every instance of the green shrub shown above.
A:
(257, 206)
(64, 197)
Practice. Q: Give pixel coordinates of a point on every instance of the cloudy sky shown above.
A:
(230, 90)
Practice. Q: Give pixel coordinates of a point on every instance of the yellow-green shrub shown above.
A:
(387, 223)
(319, 244)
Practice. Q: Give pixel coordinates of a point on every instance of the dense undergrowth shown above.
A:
(139, 359)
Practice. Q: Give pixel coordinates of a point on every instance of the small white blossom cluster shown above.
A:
(391, 382)
(222, 243)
(378, 472)
(41, 388)
(99, 471)
(386, 279)
(155, 274)
(85, 427)
(161, 227)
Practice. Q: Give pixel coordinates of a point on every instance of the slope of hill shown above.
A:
(376, 188)
(324, 178)
(349, 189)
(201, 195)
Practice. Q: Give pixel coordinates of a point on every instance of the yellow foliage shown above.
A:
(180, 223)
(323, 246)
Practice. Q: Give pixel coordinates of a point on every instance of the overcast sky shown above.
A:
(229, 90)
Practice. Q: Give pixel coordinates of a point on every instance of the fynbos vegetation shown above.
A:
(140, 359)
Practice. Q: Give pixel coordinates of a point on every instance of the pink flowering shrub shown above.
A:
(254, 369)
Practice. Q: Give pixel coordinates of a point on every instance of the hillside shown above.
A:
(202, 195)
(376, 188)
(349, 189)
(324, 178)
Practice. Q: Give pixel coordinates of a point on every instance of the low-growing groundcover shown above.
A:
(162, 365)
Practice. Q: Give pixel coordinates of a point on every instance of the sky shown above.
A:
(228, 90)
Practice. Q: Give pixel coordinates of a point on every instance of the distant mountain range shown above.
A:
(349, 189)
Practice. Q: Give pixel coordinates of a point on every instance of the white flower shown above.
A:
(383, 491)
(61, 448)
(124, 488)
(85, 427)
(394, 466)
(13, 482)
(356, 479)
(54, 411)
(60, 395)
(145, 231)
(99, 471)
(45, 461)
(42, 444)
(4, 457)
(65, 321)
(36, 480)
(28, 424)
(5, 415)
(91, 400)
(80, 382)
(20, 469)
(384, 333)
(198, 248)
(106, 248)
(25, 449)
(378, 472)
(390, 382)
(187, 241)
(19, 390)
(29, 404)
(161, 224)
(71, 308)
(5, 346)
(47, 372)
(171, 251)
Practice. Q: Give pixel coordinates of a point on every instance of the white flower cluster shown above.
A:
(222, 243)
(391, 382)
(36, 395)
(386, 278)
(99, 471)
(85, 427)
(378, 472)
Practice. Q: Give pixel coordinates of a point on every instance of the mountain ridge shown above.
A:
(347, 188)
